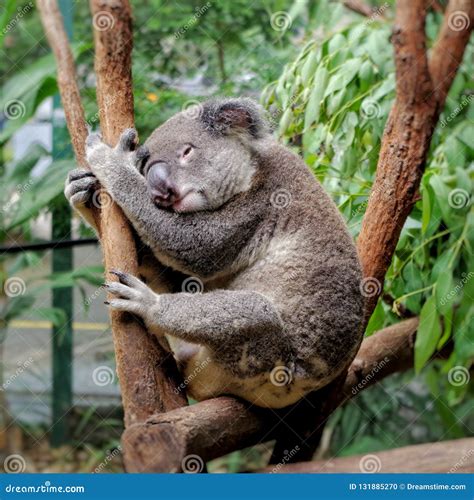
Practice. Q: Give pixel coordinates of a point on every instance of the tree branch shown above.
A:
(218, 426)
(147, 375)
(420, 96)
(445, 456)
(359, 7)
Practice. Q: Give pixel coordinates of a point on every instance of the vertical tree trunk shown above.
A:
(148, 376)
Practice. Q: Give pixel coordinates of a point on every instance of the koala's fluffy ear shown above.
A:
(234, 116)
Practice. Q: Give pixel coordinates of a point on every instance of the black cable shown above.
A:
(47, 245)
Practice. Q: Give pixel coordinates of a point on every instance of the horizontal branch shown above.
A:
(218, 426)
(445, 456)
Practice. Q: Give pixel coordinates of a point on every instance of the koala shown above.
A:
(223, 210)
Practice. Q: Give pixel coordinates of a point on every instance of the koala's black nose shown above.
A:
(160, 184)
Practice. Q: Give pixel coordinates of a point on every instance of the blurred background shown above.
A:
(325, 73)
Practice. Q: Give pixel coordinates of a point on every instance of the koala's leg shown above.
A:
(216, 319)
(79, 191)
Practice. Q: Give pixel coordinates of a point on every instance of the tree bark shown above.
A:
(148, 376)
(454, 456)
(421, 92)
(218, 426)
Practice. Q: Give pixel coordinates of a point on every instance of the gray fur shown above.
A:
(280, 272)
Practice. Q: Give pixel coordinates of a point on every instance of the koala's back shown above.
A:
(304, 260)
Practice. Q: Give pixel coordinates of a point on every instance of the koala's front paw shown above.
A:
(105, 160)
(80, 187)
(135, 296)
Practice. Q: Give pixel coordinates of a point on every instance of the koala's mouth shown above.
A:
(189, 201)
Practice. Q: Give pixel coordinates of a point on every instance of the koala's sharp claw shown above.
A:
(128, 140)
(77, 174)
(116, 272)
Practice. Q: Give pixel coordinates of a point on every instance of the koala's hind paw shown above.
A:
(134, 296)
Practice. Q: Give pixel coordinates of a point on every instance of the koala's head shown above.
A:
(200, 160)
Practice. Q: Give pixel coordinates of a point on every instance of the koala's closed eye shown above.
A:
(186, 152)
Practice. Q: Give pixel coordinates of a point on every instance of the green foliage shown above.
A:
(331, 105)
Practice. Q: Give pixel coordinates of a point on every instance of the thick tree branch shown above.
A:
(147, 376)
(420, 96)
(218, 426)
(446, 456)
